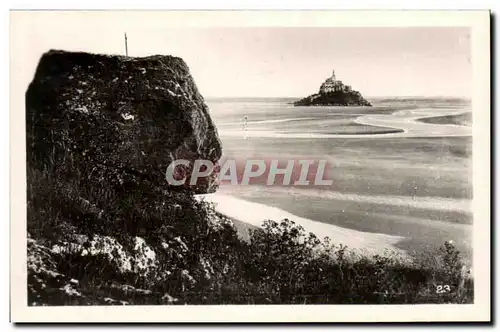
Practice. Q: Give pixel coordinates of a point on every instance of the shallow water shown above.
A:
(413, 184)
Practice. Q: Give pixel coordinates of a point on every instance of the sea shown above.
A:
(401, 169)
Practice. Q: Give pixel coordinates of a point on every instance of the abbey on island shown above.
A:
(332, 84)
(333, 92)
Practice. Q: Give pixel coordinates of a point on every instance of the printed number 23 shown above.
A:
(440, 289)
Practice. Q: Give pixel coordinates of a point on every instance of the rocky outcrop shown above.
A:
(121, 118)
(334, 93)
(105, 226)
(49, 281)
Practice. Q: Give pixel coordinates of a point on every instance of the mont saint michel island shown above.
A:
(334, 93)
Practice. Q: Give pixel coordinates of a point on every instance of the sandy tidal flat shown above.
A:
(398, 182)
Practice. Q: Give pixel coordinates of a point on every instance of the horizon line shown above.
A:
(367, 97)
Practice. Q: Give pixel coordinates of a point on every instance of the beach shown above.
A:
(399, 183)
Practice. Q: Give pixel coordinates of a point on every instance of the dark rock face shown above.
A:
(119, 118)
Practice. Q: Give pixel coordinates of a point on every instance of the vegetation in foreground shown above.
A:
(173, 249)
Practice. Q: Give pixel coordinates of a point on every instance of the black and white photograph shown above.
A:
(258, 161)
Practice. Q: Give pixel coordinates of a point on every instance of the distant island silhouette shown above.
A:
(334, 93)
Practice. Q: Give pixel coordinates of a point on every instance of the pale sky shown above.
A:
(283, 62)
